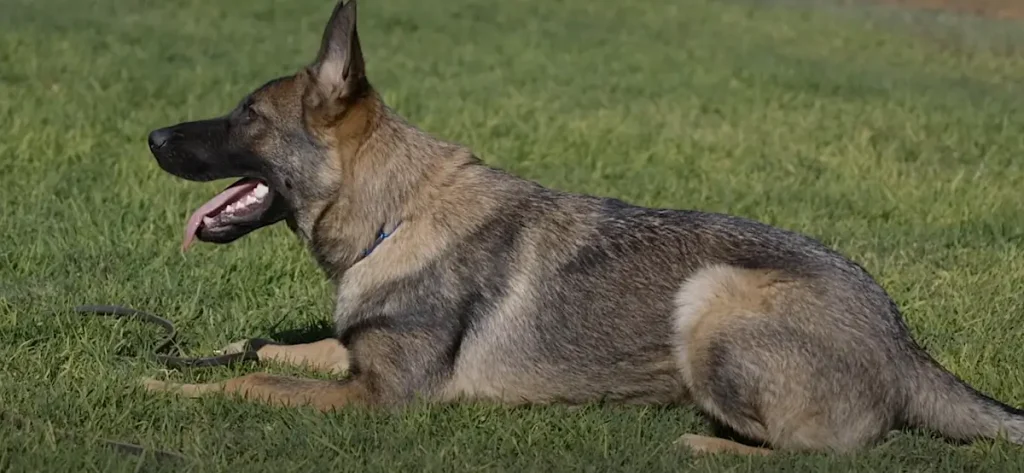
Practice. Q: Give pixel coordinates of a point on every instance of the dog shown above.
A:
(456, 281)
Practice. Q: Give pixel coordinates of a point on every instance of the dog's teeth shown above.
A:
(256, 195)
(207, 221)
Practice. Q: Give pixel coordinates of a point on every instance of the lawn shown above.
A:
(892, 136)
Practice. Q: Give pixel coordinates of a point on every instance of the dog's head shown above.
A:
(285, 140)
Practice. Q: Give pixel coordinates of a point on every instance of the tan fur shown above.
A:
(459, 206)
(490, 368)
(710, 304)
(326, 355)
(719, 303)
(712, 301)
(275, 390)
(701, 444)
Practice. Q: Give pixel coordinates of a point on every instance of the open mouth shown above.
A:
(239, 209)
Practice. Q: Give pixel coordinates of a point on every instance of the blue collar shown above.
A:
(381, 235)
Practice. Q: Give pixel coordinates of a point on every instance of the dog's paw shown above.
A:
(698, 444)
(241, 346)
(232, 348)
(153, 385)
(702, 445)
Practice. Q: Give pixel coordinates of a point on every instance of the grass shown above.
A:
(899, 148)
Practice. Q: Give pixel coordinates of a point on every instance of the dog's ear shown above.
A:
(339, 73)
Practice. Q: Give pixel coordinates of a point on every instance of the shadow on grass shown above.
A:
(307, 334)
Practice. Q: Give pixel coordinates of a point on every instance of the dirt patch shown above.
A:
(1001, 9)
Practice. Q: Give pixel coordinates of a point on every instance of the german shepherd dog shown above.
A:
(457, 281)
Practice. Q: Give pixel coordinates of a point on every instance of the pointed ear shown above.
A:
(338, 72)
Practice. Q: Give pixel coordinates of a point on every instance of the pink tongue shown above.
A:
(231, 194)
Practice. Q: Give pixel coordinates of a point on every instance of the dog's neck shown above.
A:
(397, 174)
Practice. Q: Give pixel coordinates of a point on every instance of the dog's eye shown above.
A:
(250, 113)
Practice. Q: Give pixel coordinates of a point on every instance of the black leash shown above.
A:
(162, 456)
(161, 354)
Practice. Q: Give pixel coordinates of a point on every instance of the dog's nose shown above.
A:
(158, 138)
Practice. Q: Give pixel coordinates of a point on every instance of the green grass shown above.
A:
(898, 146)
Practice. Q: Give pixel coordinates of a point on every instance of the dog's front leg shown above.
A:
(327, 355)
(281, 390)
(392, 363)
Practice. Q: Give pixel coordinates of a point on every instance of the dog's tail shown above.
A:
(938, 400)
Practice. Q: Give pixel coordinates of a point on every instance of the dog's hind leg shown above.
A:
(274, 389)
(760, 355)
(701, 444)
(327, 355)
